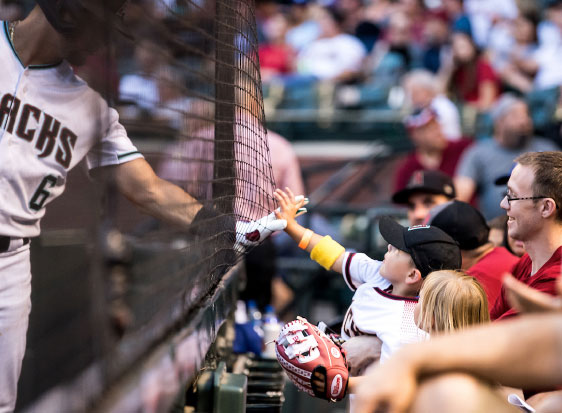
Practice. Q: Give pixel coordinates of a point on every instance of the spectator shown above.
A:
(334, 55)
(488, 160)
(141, 87)
(417, 14)
(389, 60)
(303, 28)
(385, 291)
(276, 56)
(422, 91)
(548, 64)
(457, 16)
(500, 238)
(480, 258)
(425, 190)
(517, 68)
(436, 40)
(450, 300)
(485, 15)
(532, 203)
(432, 150)
(469, 78)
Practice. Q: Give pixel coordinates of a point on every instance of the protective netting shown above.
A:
(110, 285)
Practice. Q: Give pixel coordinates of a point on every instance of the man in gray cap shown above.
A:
(488, 160)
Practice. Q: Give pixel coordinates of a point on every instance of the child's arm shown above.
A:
(289, 207)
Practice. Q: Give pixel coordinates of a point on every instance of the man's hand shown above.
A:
(389, 387)
(528, 300)
(362, 351)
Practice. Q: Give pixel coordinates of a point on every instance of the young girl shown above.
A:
(450, 300)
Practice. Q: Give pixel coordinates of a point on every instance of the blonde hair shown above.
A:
(451, 300)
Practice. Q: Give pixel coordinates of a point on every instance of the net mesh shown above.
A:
(110, 286)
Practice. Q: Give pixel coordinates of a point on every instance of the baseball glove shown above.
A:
(313, 362)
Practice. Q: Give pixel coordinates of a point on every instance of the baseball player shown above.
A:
(49, 121)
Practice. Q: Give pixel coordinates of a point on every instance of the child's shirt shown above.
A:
(374, 310)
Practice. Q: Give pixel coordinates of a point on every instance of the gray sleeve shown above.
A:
(469, 164)
(543, 145)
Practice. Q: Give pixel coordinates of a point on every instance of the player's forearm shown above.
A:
(171, 204)
(519, 353)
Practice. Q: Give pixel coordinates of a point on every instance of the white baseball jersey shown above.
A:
(374, 310)
(49, 121)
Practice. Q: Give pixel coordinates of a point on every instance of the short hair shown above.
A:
(422, 78)
(451, 300)
(504, 104)
(547, 167)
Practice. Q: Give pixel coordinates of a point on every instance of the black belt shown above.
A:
(5, 242)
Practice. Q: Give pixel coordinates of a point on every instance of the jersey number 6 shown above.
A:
(41, 194)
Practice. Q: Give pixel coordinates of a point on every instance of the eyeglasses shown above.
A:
(509, 199)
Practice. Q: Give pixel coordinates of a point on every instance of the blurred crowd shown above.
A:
(468, 53)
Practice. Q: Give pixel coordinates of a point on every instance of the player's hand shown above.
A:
(388, 388)
(250, 233)
(289, 205)
(361, 352)
(528, 300)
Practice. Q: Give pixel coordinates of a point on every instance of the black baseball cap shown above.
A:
(433, 182)
(464, 223)
(431, 249)
(503, 179)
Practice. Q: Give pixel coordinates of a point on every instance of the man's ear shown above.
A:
(414, 276)
(548, 208)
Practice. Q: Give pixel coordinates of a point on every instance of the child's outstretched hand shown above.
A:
(289, 205)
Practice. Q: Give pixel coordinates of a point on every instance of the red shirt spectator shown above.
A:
(490, 269)
(448, 164)
(468, 83)
(276, 58)
(544, 280)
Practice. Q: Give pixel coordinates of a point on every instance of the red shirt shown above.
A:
(544, 280)
(490, 270)
(448, 165)
(276, 57)
(468, 90)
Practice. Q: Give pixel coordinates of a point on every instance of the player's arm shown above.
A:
(288, 209)
(523, 353)
(163, 200)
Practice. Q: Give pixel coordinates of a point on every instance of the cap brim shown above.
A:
(402, 196)
(393, 233)
(502, 180)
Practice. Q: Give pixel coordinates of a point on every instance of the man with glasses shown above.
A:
(532, 203)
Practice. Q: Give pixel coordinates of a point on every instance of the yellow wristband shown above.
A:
(326, 252)
(305, 240)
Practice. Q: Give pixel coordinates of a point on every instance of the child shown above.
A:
(385, 292)
(450, 300)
